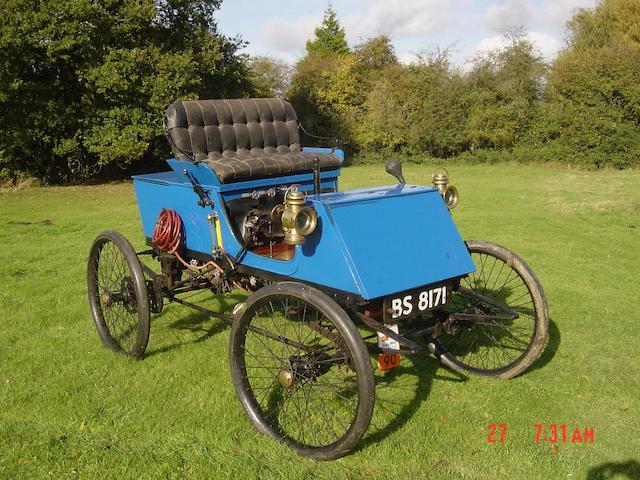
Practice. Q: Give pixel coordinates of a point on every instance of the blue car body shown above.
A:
(370, 242)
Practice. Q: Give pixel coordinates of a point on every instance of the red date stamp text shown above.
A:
(546, 433)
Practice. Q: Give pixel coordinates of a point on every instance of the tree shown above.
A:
(330, 40)
(269, 77)
(83, 84)
(501, 92)
(592, 112)
(415, 109)
(314, 90)
(329, 91)
(375, 53)
(307, 92)
(611, 22)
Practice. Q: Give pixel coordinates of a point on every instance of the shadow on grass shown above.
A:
(550, 349)
(200, 325)
(401, 391)
(629, 469)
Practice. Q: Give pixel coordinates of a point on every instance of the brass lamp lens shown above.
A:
(306, 221)
(451, 196)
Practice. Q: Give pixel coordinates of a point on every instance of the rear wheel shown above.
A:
(498, 318)
(301, 370)
(118, 295)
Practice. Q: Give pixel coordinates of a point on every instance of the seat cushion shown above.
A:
(234, 167)
(242, 138)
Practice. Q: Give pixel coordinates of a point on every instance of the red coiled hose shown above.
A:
(167, 234)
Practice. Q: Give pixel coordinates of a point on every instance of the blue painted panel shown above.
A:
(395, 242)
(376, 243)
(200, 171)
(372, 242)
(374, 193)
(154, 195)
(161, 177)
(305, 183)
(321, 260)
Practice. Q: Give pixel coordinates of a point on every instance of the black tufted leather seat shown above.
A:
(241, 139)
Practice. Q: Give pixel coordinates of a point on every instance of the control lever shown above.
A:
(204, 201)
(394, 167)
(316, 176)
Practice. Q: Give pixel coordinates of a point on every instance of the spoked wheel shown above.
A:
(301, 370)
(118, 295)
(498, 320)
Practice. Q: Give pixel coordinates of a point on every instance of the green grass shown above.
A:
(70, 408)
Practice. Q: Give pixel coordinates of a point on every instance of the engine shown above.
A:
(251, 218)
(258, 229)
(273, 218)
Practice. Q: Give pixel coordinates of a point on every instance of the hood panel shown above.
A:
(396, 238)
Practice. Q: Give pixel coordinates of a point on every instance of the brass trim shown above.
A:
(450, 194)
(298, 219)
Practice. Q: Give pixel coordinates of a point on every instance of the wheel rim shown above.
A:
(117, 296)
(490, 340)
(305, 387)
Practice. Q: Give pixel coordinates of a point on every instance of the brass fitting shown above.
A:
(440, 180)
(298, 220)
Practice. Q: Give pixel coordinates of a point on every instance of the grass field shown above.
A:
(69, 408)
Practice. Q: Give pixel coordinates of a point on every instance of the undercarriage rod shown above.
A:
(229, 319)
(488, 301)
(206, 311)
(148, 271)
(412, 348)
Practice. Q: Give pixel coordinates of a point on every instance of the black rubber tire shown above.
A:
(345, 334)
(533, 293)
(131, 315)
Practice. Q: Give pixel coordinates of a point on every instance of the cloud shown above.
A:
(416, 24)
(547, 44)
(509, 15)
(488, 44)
(414, 18)
(545, 23)
(408, 58)
(556, 13)
(547, 15)
(289, 36)
(402, 19)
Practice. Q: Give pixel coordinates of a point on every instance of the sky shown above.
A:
(280, 28)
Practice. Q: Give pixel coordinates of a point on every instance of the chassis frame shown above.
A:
(350, 298)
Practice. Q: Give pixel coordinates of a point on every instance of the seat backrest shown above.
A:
(211, 129)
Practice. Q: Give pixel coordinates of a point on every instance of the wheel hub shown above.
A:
(106, 299)
(303, 367)
(128, 295)
(286, 378)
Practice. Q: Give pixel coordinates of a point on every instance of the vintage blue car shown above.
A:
(338, 280)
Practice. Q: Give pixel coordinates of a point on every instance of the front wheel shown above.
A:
(497, 322)
(301, 370)
(118, 296)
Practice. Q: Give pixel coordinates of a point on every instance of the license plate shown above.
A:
(387, 361)
(413, 302)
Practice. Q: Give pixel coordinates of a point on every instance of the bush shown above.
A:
(83, 84)
(591, 115)
(583, 109)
